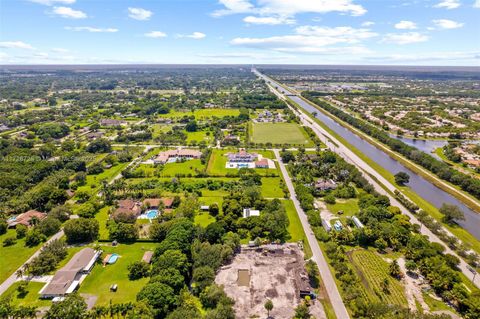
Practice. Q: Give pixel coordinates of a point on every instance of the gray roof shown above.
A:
(64, 278)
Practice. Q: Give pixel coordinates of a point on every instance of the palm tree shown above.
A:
(269, 306)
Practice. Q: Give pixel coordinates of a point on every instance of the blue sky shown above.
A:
(413, 32)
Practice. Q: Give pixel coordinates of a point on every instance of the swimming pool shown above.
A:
(113, 258)
(151, 214)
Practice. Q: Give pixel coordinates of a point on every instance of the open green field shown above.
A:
(94, 182)
(279, 133)
(204, 219)
(348, 206)
(373, 270)
(31, 298)
(218, 161)
(295, 228)
(101, 278)
(271, 187)
(199, 136)
(14, 256)
(102, 217)
(201, 114)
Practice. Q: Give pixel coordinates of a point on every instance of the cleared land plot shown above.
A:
(279, 133)
(271, 187)
(101, 278)
(12, 257)
(373, 270)
(202, 113)
(257, 274)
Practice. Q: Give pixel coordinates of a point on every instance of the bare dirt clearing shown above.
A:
(275, 272)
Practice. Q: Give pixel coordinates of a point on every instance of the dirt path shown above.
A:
(413, 290)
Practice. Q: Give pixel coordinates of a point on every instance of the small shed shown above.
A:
(147, 256)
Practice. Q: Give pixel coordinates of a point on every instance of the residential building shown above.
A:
(128, 207)
(68, 279)
(248, 212)
(325, 185)
(242, 157)
(26, 218)
(175, 155)
(112, 122)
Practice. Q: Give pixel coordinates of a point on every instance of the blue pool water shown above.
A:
(152, 214)
(113, 258)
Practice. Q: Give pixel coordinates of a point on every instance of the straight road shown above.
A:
(377, 182)
(327, 277)
(13, 277)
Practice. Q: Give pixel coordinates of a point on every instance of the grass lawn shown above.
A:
(279, 133)
(204, 219)
(160, 128)
(202, 113)
(102, 217)
(14, 256)
(101, 278)
(348, 206)
(218, 161)
(295, 228)
(185, 168)
(30, 299)
(199, 136)
(373, 270)
(271, 187)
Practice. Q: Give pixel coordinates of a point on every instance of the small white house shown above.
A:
(248, 212)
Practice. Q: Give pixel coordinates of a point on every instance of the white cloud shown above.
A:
(476, 4)
(289, 7)
(447, 24)
(234, 7)
(195, 35)
(405, 38)
(139, 13)
(268, 20)
(155, 34)
(60, 50)
(367, 23)
(69, 13)
(406, 25)
(312, 39)
(92, 29)
(15, 45)
(448, 4)
(52, 2)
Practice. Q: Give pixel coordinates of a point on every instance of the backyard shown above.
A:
(101, 278)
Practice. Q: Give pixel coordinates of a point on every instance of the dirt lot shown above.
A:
(275, 272)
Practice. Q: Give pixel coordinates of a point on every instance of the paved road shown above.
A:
(13, 277)
(377, 182)
(327, 277)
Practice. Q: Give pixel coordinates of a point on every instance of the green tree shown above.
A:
(138, 269)
(402, 178)
(451, 213)
(268, 306)
(81, 230)
(159, 296)
(73, 307)
(394, 269)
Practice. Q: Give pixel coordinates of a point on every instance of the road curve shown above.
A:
(327, 277)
